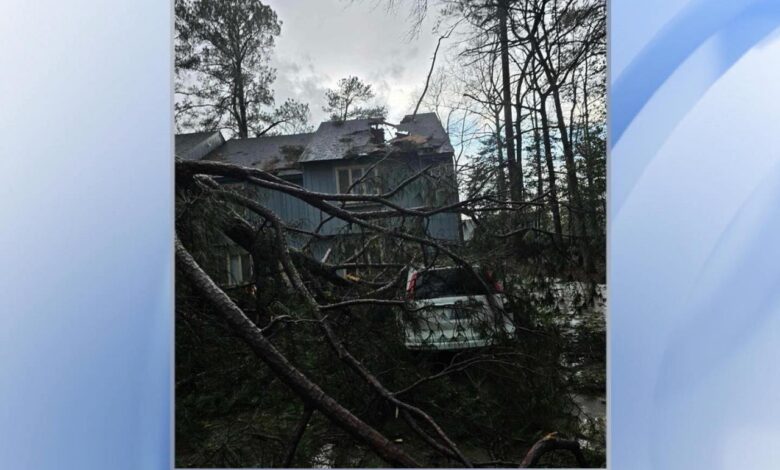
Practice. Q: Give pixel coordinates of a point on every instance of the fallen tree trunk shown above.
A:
(287, 372)
(550, 443)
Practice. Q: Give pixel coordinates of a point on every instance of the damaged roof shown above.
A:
(335, 140)
(332, 141)
(196, 145)
(279, 152)
(428, 126)
(338, 140)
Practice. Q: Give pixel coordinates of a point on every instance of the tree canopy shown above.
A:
(351, 100)
(223, 74)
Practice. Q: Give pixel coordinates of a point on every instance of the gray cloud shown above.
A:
(325, 40)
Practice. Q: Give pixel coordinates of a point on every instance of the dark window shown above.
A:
(447, 283)
(357, 173)
(294, 179)
(343, 180)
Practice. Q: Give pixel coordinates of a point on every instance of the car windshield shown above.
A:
(447, 283)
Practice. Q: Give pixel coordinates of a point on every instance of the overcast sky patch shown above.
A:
(326, 40)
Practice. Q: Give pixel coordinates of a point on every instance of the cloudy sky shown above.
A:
(325, 40)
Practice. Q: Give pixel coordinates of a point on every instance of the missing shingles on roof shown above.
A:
(267, 163)
(357, 137)
(410, 142)
(291, 152)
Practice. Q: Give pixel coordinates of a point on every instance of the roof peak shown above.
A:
(409, 117)
(196, 133)
(265, 137)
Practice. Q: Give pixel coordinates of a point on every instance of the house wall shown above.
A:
(321, 177)
(291, 209)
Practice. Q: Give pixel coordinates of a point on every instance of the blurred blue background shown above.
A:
(86, 191)
(694, 199)
(86, 212)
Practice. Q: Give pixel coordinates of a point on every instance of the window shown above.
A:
(296, 178)
(361, 180)
(239, 268)
(450, 282)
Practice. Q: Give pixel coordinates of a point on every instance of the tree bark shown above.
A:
(287, 373)
(577, 208)
(590, 166)
(537, 154)
(514, 185)
(554, 207)
(571, 168)
(551, 443)
(519, 138)
(501, 178)
(243, 125)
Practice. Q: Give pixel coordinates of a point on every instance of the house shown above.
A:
(360, 156)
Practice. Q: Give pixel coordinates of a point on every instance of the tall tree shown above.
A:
(482, 85)
(568, 36)
(515, 176)
(351, 100)
(290, 117)
(222, 65)
(551, 172)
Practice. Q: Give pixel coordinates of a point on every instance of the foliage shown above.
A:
(348, 101)
(539, 225)
(223, 74)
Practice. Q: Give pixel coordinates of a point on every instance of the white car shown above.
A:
(448, 308)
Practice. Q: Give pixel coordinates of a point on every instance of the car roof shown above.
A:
(443, 268)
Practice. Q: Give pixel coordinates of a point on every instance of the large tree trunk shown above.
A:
(554, 208)
(243, 125)
(590, 165)
(287, 373)
(538, 160)
(571, 169)
(577, 208)
(501, 178)
(514, 183)
(589, 170)
(241, 119)
(551, 443)
(519, 135)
